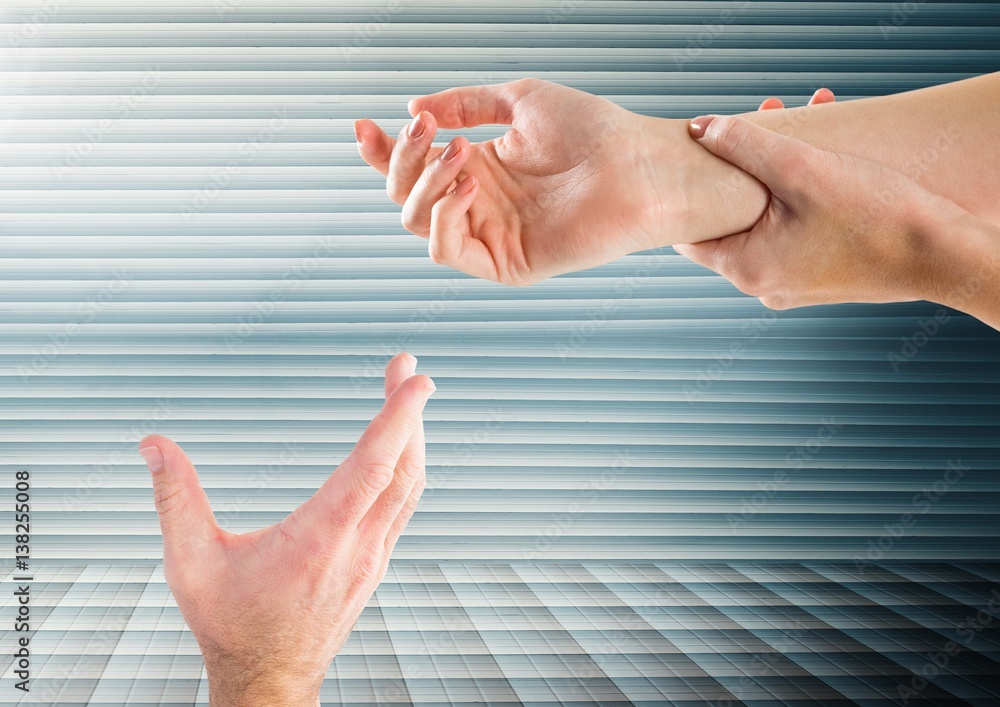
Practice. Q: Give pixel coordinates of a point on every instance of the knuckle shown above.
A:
(410, 470)
(375, 476)
(406, 218)
(368, 566)
(528, 84)
(438, 251)
(170, 499)
(732, 136)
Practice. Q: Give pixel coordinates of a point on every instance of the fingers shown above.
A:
(776, 160)
(452, 242)
(374, 145)
(432, 184)
(404, 516)
(350, 492)
(409, 469)
(823, 95)
(708, 254)
(409, 156)
(186, 518)
(470, 106)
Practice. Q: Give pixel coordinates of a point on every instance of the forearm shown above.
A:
(963, 254)
(944, 138)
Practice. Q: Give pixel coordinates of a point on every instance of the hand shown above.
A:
(838, 228)
(570, 186)
(823, 95)
(270, 609)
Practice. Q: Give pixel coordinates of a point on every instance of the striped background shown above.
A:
(189, 244)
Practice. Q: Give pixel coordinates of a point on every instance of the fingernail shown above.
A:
(416, 127)
(451, 152)
(153, 457)
(465, 186)
(699, 125)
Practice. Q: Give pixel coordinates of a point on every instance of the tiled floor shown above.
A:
(595, 633)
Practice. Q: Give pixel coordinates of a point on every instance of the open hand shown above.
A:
(569, 186)
(270, 609)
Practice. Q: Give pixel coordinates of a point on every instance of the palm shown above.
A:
(544, 187)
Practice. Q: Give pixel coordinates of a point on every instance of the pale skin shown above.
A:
(578, 181)
(271, 608)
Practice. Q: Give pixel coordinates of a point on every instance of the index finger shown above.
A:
(347, 494)
(374, 145)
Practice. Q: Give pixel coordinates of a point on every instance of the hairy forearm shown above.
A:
(943, 137)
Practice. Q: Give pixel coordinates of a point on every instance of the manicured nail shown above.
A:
(357, 131)
(451, 152)
(699, 125)
(465, 186)
(153, 457)
(416, 127)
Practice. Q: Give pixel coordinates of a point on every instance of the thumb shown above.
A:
(775, 159)
(717, 254)
(469, 106)
(186, 517)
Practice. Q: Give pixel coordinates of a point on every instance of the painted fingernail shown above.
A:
(451, 152)
(417, 127)
(465, 186)
(357, 131)
(153, 457)
(699, 125)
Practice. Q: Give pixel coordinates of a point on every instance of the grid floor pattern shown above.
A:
(733, 633)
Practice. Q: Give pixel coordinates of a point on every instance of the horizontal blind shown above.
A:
(248, 313)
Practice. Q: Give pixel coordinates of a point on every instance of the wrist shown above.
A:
(696, 195)
(232, 686)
